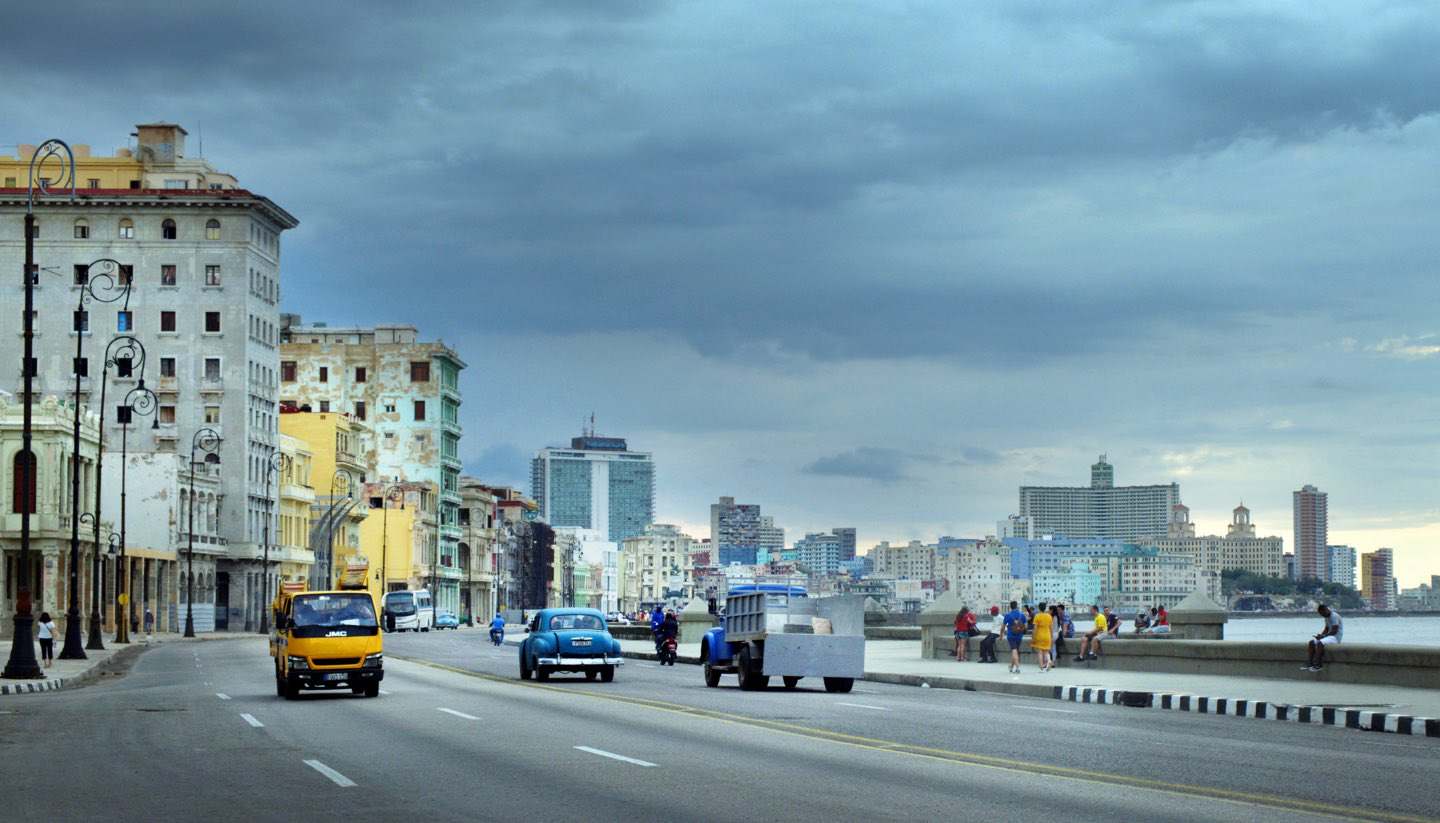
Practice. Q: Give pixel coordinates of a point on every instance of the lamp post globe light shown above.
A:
(280, 461)
(207, 442)
(142, 401)
(106, 275)
(21, 662)
(126, 355)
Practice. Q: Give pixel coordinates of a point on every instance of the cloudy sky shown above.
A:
(869, 264)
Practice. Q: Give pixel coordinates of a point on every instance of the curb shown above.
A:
(1364, 720)
(55, 684)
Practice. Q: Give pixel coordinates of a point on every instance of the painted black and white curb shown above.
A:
(32, 686)
(1362, 719)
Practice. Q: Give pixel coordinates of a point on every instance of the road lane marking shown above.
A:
(864, 706)
(383, 691)
(222, 696)
(250, 718)
(1043, 709)
(613, 756)
(457, 714)
(893, 747)
(336, 777)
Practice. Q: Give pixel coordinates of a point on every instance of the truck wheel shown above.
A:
(372, 690)
(791, 682)
(750, 677)
(607, 674)
(841, 685)
(712, 677)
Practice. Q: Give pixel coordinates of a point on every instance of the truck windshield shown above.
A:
(400, 603)
(334, 615)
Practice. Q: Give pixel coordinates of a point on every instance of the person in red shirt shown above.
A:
(964, 628)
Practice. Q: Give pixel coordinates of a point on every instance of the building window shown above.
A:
(420, 371)
(212, 275)
(212, 415)
(212, 229)
(212, 368)
(10, 183)
(359, 409)
(82, 367)
(167, 275)
(324, 405)
(124, 321)
(127, 229)
(177, 184)
(82, 230)
(93, 183)
(22, 481)
(167, 321)
(126, 275)
(167, 367)
(287, 371)
(82, 321)
(166, 415)
(167, 229)
(419, 410)
(212, 322)
(360, 374)
(134, 184)
(324, 374)
(82, 274)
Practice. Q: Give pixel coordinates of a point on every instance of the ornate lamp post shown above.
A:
(328, 561)
(127, 356)
(22, 662)
(282, 462)
(391, 493)
(138, 400)
(106, 274)
(207, 442)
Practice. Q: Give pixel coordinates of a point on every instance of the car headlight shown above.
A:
(296, 662)
(373, 661)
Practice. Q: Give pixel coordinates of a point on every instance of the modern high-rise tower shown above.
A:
(597, 483)
(1102, 509)
(1312, 552)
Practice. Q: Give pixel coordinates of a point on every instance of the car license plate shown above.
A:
(337, 676)
(582, 641)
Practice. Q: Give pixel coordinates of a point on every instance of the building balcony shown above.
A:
(212, 385)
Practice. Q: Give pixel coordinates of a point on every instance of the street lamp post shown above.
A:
(281, 461)
(392, 493)
(106, 273)
(207, 441)
(127, 355)
(22, 662)
(329, 559)
(138, 400)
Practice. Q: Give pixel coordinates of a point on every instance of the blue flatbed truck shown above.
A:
(777, 630)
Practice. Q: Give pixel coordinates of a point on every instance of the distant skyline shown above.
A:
(861, 266)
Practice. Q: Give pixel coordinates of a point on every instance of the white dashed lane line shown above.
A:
(222, 696)
(335, 777)
(864, 706)
(1043, 709)
(383, 691)
(457, 714)
(250, 718)
(613, 756)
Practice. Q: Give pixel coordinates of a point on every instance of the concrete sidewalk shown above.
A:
(65, 674)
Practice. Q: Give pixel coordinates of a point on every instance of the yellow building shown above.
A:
(161, 164)
(334, 441)
(399, 537)
(290, 550)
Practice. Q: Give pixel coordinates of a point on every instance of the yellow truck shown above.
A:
(326, 640)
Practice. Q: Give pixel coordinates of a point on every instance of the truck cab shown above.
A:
(326, 640)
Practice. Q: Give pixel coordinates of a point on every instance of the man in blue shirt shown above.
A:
(497, 629)
(1015, 623)
(657, 619)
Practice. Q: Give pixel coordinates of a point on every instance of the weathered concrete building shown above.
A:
(479, 554)
(408, 393)
(203, 257)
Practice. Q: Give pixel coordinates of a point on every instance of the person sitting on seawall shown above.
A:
(1142, 620)
(1090, 643)
(987, 642)
(1112, 623)
(1328, 636)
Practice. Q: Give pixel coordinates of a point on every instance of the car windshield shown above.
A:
(563, 622)
(325, 614)
(400, 603)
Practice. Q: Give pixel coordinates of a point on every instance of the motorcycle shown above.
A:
(668, 651)
(497, 637)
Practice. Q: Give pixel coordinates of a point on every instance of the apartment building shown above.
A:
(1101, 510)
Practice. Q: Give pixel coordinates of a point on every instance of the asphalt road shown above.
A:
(195, 730)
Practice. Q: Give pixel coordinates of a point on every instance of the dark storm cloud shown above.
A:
(887, 465)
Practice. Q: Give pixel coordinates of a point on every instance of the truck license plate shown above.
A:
(337, 676)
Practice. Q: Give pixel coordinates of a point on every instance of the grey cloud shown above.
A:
(865, 462)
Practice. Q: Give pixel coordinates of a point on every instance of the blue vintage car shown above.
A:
(569, 640)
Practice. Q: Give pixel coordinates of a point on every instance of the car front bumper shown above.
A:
(580, 662)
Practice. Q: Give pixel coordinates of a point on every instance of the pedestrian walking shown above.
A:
(149, 625)
(1041, 638)
(1015, 625)
(46, 636)
(1328, 636)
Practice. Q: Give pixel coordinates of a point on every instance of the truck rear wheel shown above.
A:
(841, 685)
(751, 678)
(791, 682)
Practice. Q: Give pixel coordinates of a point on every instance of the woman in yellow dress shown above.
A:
(1040, 637)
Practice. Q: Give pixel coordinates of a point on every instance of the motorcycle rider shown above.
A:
(657, 620)
(670, 629)
(497, 629)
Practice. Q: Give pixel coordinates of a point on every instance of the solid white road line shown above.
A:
(614, 756)
(250, 718)
(222, 696)
(383, 691)
(336, 777)
(457, 714)
(1043, 709)
(863, 706)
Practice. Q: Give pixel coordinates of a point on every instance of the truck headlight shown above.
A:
(296, 662)
(373, 661)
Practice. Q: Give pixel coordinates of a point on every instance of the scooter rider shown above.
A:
(657, 620)
(497, 629)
